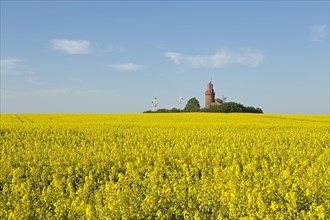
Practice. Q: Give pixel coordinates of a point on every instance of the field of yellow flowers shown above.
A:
(164, 166)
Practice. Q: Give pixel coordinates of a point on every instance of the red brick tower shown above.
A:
(209, 95)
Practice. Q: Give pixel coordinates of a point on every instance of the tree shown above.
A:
(192, 105)
(231, 107)
(228, 107)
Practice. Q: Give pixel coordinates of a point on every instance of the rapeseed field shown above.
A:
(164, 166)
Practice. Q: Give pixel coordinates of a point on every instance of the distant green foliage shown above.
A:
(228, 107)
(225, 107)
(164, 110)
(192, 105)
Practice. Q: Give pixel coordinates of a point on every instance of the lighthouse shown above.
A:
(209, 95)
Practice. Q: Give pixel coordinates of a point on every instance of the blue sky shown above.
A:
(109, 57)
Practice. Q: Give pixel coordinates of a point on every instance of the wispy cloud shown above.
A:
(126, 67)
(176, 57)
(71, 46)
(249, 58)
(213, 61)
(9, 66)
(318, 32)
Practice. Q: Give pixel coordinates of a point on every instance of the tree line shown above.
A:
(225, 107)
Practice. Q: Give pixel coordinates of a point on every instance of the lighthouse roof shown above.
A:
(210, 83)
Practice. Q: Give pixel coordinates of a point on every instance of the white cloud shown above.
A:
(71, 46)
(219, 59)
(9, 66)
(127, 67)
(318, 32)
(176, 57)
(250, 58)
(214, 61)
